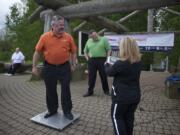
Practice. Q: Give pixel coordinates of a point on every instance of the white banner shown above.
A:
(146, 42)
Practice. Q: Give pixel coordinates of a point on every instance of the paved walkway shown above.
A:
(21, 100)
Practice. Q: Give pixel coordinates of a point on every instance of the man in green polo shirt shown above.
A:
(96, 50)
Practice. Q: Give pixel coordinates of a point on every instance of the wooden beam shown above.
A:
(53, 4)
(44, 4)
(99, 20)
(121, 20)
(105, 22)
(98, 7)
(104, 30)
(177, 33)
(36, 13)
(79, 26)
(102, 21)
(91, 8)
(128, 16)
(171, 11)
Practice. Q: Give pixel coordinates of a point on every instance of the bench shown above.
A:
(22, 69)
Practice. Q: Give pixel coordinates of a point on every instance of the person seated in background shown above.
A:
(17, 60)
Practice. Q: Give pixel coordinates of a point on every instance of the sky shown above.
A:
(4, 10)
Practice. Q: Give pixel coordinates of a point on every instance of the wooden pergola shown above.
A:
(93, 11)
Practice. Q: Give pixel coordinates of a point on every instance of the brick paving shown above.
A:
(21, 99)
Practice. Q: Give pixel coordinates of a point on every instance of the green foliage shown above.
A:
(5, 49)
(21, 33)
(147, 59)
(175, 54)
(14, 18)
(158, 57)
(137, 23)
(171, 22)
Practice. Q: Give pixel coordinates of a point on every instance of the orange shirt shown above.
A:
(56, 50)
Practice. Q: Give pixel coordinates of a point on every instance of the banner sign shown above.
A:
(146, 42)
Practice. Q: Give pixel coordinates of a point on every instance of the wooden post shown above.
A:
(150, 20)
(167, 64)
(67, 27)
(47, 17)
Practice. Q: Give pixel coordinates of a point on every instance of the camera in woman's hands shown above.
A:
(111, 60)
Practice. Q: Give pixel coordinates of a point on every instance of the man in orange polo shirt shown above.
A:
(59, 52)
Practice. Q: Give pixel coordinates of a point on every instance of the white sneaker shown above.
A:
(8, 74)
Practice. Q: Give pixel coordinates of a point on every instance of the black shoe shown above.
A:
(69, 116)
(87, 94)
(49, 114)
(107, 93)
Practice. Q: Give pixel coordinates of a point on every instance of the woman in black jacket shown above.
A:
(126, 88)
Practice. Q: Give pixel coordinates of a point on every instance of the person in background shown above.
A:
(96, 50)
(17, 60)
(126, 87)
(59, 50)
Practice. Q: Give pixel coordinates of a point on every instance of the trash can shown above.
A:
(172, 89)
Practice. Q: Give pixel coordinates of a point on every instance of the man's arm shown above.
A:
(107, 46)
(36, 58)
(73, 61)
(12, 58)
(22, 58)
(86, 56)
(109, 53)
(86, 50)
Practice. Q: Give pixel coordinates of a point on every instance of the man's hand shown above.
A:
(36, 57)
(74, 64)
(86, 56)
(35, 71)
(72, 67)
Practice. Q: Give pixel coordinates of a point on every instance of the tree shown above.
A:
(14, 18)
(20, 32)
(170, 22)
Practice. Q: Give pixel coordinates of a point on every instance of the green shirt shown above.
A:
(97, 48)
